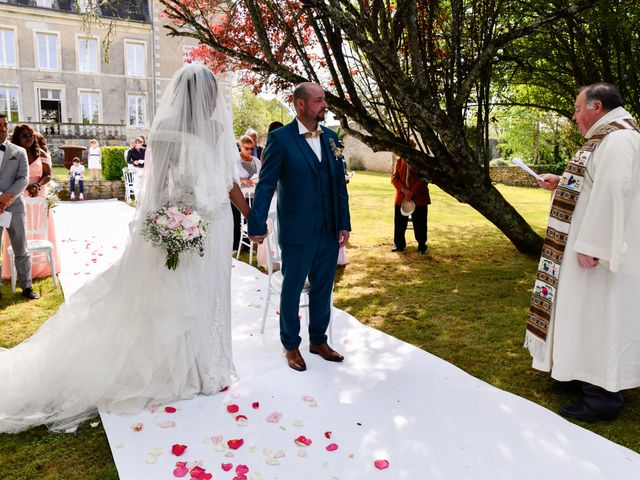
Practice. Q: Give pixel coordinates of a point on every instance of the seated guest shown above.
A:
(135, 156)
(76, 174)
(247, 168)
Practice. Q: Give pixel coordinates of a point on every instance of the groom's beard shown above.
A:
(320, 117)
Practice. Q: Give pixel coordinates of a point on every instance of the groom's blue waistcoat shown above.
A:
(312, 195)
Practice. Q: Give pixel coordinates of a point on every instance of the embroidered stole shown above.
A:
(560, 216)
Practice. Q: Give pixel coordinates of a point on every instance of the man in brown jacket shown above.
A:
(409, 187)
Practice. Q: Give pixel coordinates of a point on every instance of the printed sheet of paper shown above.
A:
(520, 163)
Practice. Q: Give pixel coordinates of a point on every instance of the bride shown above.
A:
(139, 334)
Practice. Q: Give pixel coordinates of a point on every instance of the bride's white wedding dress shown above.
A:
(140, 334)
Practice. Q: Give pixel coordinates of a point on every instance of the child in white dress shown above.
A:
(95, 160)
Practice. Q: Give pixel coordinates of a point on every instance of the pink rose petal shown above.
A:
(199, 473)
(227, 466)
(233, 408)
(327, 434)
(274, 417)
(255, 405)
(332, 447)
(181, 469)
(170, 409)
(240, 477)
(216, 440)
(242, 469)
(381, 464)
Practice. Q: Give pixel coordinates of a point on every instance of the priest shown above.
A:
(584, 320)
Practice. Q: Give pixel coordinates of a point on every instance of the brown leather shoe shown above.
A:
(326, 352)
(295, 360)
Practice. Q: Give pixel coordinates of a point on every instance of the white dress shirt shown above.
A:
(2, 153)
(313, 141)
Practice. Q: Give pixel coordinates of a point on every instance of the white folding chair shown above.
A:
(248, 193)
(40, 248)
(275, 277)
(128, 177)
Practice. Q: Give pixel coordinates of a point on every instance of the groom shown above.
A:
(14, 177)
(313, 218)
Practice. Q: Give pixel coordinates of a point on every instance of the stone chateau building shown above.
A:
(56, 74)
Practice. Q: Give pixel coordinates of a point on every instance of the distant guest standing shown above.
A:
(257, 149)
(410, 185)
(247, 169)
(135, 156)
(95, 160)
(14, 172)
(39, 176)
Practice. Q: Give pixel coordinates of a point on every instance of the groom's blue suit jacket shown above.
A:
(290, 164)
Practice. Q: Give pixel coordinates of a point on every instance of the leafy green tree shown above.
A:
(252, 111)
(597, 44)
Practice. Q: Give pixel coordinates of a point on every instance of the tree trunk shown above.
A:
(494, 207)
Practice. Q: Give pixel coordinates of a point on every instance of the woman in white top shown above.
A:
(95, 160)
(247, 169)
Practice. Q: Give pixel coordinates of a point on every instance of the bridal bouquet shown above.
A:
(177, 230)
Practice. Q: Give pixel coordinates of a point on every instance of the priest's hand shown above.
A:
(548, 181)
(587, 261)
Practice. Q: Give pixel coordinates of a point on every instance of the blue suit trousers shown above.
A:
(316, 260)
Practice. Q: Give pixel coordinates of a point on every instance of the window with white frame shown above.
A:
(44, 3)
(87, 55)
(136, 108)
(135, 59)
(7, 47)
(83, 5)
(47, 50)
(9, 103)
(89, 106)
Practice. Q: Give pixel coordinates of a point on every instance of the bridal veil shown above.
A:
(138, 334)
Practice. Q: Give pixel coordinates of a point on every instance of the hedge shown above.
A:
(113, 162)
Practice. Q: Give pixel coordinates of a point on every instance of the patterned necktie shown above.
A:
(311, 134)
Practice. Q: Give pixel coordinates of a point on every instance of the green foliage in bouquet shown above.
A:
(113, 162)
(53, 188)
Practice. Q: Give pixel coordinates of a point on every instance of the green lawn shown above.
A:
(466, 302)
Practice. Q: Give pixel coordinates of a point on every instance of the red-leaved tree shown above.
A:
(393, 69)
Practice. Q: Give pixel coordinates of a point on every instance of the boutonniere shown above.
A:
(335, 150)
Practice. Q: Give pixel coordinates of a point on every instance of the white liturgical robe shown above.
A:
(594, 335)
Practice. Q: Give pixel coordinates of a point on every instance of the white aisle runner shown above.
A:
(90, 236)
(388, 401)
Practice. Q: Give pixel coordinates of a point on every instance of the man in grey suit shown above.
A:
(14, 178)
